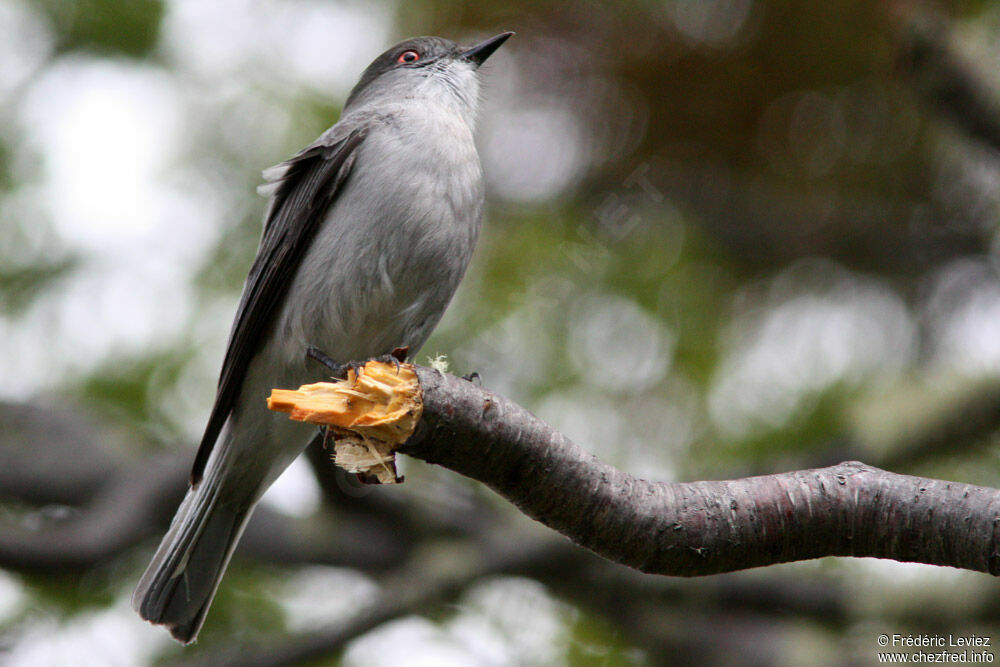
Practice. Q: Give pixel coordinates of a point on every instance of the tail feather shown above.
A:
(180, 582)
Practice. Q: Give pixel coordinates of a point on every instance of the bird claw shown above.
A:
(396, 357)
(327, 436)
(356, 366)
(340, 371)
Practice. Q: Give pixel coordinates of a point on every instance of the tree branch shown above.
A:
(700, 528)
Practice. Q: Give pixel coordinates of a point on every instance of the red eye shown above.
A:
(408, 57)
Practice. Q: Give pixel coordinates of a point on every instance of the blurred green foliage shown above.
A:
(21, 285)
(107, 27)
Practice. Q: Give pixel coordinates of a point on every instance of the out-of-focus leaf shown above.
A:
(129, 27)
(127, 387)
(594, 642)
(20, 285)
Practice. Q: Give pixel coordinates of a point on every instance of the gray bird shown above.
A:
(368, 233)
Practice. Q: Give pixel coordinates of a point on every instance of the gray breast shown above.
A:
(394, 246)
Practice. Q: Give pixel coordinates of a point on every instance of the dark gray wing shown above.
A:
(303, 193)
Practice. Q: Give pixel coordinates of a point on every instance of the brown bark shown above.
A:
(700, 528)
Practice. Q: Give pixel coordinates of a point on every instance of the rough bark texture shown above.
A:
(701, 528)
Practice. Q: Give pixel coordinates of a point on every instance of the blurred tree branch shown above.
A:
(951, 84)
(413, 589)
(122, 512)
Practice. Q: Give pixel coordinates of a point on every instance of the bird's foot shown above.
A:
(339, 370)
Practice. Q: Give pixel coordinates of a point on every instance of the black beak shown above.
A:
(483, 50)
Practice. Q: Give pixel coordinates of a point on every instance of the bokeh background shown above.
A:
(723, 237)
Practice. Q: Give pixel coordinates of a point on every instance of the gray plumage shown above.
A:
(368, 233)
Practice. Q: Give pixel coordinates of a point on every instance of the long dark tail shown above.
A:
(181, 581)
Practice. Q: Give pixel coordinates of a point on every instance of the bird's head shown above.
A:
(426, 68)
